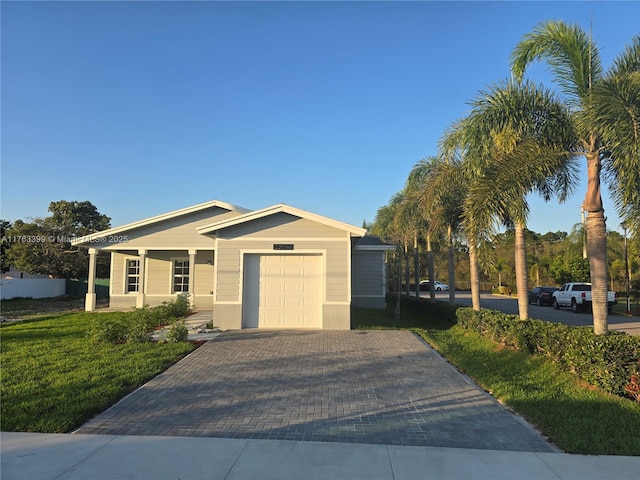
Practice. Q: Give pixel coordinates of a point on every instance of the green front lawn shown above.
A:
(578, 418)
(54, 378)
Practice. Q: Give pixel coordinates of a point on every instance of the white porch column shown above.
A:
(142, 284)
(192, 277)
(90, 298)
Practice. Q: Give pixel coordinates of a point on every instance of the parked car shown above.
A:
(425, 285)
(542, 295)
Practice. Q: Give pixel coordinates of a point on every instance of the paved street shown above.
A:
(377, 387)
(509, 305)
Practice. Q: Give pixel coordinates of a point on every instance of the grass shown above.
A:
(576, 417)
(54, 378)
(31, 307)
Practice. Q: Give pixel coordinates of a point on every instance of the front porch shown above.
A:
(150, 277)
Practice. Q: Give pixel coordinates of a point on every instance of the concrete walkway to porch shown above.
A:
(197, 325)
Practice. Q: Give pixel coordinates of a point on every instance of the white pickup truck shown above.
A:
(577, 295)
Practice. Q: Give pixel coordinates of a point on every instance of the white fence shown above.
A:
(32, 287)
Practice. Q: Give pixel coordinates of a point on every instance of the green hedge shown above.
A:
(138, 325)
(606, 361)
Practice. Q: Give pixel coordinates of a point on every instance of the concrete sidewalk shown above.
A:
(35, 456)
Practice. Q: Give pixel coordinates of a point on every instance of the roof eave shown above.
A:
(281, 208)
(158, 218)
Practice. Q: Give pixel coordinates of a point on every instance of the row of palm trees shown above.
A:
(520, 138)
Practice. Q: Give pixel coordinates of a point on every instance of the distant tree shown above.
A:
(4, 226)
(559, 270)
(579, 268)
(570, 268)
(44, 244)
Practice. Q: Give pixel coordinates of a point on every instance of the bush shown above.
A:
(103, 329)
(607, 361)
(169, 311)
(178, 332)
(137, 326)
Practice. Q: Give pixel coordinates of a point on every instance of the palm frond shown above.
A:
(572, 56)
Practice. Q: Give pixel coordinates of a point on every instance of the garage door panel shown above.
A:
(288, 291)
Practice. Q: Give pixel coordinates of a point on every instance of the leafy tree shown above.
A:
(5, 225)
(596, 100)
(559, 270)
(44, 244)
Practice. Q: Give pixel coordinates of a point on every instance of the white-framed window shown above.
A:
(180, 275)
(133, 275)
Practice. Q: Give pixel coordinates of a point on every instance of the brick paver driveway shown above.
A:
(385, 387)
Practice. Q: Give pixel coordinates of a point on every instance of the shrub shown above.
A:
(607, 361)
(137, 326)
(633, 388)
(103, 329)
(178, 332)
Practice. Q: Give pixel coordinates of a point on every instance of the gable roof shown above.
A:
(281, 208)
(159, 218)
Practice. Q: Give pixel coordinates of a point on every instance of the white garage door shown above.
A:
(282, 291)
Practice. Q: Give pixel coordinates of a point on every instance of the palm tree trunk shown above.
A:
(474, 277)
(407, 272)
(399, 289)
(596, 241)
(431, 268)
(416, 265)
(452, 269)
(597, 246)
(521, 272)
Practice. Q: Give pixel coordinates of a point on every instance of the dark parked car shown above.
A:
(542, 295)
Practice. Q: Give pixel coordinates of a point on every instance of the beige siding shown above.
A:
(368, 279)
(173, 233)
(116, 282)
(282, 225)
(335, 257)
(367, 274)
(158, 271)
(204, 274)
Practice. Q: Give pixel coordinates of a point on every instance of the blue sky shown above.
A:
(147, 107)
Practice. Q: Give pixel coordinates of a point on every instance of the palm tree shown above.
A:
(444, 188)
(415, 224)
(518, 139)
(615, 111)
(575, 63)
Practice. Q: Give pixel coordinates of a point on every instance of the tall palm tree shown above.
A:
(518, 139)
(418, 182)
(615, 111)
(575, 63)
(414, 223)
(444, 188)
